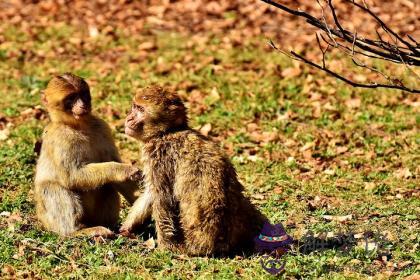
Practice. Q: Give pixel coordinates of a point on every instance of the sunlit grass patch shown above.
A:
(306, 147)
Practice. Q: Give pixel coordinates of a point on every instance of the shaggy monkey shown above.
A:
(191, 188)
(79, 171)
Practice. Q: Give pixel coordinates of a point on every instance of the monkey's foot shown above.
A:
(95, 232)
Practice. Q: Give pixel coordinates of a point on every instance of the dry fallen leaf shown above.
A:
(369, 186)
(4, 134)
(403, 173)
(8, 270)
(147, 46)
(341, 150)
(205, 129)
(360, 78)
(404, 264)
(251, 127)
(14, 218)
(353, 103)
(150, 243)
(338, 218)
(329, 172)
(258, 196)
(307, 155)
(213, 97)
(110, 255)
(291, 72)
(5, 214)
(413, 277)
(278, 190)
(93, 31)
(307, 146)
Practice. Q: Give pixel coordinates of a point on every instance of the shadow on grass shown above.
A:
(343, 243)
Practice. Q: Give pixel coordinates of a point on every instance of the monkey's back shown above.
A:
(215, 216)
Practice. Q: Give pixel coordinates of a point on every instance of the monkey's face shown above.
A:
(77, 104)
(68, 94)
(155, 111)
(134, 123)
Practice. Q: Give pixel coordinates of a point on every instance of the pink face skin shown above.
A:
(80, 109)
(135, 121)
(77, 105)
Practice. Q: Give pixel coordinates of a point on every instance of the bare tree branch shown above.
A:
(399, 51)
(397, 84)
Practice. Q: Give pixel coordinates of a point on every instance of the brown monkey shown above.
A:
(79, 171)
(191, 188)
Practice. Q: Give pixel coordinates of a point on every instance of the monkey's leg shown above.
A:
(59, 210)
(101, 207)
(94, 231)
(139, 212)
(204, 234)
(94, 175)
(203, 220)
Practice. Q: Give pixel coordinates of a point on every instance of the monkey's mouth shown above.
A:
(80, 115)
(133, 128)
(132, 131)
(78, 112)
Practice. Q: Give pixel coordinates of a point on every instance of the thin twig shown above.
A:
(346, 48)
(378, 48)
(398, 51)
(330, 35)
(355, 84)
(384, 26)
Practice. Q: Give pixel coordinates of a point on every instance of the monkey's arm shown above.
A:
(129, 189)
(166, 215)
(94, 175)
(140, 212)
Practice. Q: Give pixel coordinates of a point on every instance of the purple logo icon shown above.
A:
(273, 242)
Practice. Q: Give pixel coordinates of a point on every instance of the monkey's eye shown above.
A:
(86, 98)
(176, 101)
(138, 108)
(69, 100)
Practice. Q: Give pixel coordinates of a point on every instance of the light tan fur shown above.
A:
(79, 171)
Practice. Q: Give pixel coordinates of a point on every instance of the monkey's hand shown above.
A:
(126, 229)
(135, 174)
(127, 234)
(128, 172)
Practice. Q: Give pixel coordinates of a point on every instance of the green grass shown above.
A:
(301, 151)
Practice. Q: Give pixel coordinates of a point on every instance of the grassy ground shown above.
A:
(313, 154)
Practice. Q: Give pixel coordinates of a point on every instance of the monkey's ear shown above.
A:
(43, 98)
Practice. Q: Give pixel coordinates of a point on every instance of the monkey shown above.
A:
(79, 171)
(191, 188)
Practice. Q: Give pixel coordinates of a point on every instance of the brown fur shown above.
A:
(192, 189)
(79, 171)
